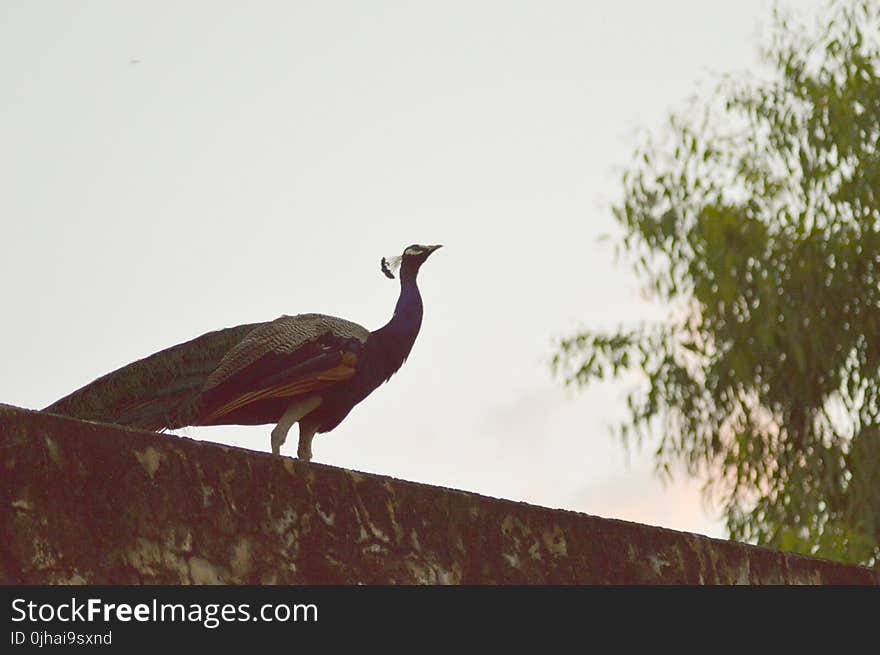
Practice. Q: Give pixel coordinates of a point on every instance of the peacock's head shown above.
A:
(409, 262)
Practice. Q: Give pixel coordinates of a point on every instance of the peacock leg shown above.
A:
(307, 431)
(292, 414)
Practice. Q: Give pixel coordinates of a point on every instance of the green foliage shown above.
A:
(757, 221)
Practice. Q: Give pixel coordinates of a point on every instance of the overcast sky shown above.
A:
(171, 168)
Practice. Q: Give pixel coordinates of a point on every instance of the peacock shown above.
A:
(310, 369)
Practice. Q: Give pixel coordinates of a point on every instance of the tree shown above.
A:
(756, 219)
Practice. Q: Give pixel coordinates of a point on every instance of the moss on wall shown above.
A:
(84, 502)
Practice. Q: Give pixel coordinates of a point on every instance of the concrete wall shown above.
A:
(84, 502)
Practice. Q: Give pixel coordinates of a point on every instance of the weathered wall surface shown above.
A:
(87, 502)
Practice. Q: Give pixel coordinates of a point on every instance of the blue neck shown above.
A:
(408, 311)
(396, 338)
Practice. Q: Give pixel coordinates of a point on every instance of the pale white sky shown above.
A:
(171, 168)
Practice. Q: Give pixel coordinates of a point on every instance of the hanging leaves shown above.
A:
(756, 220)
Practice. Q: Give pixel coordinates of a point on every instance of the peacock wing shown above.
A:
(287, 357)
